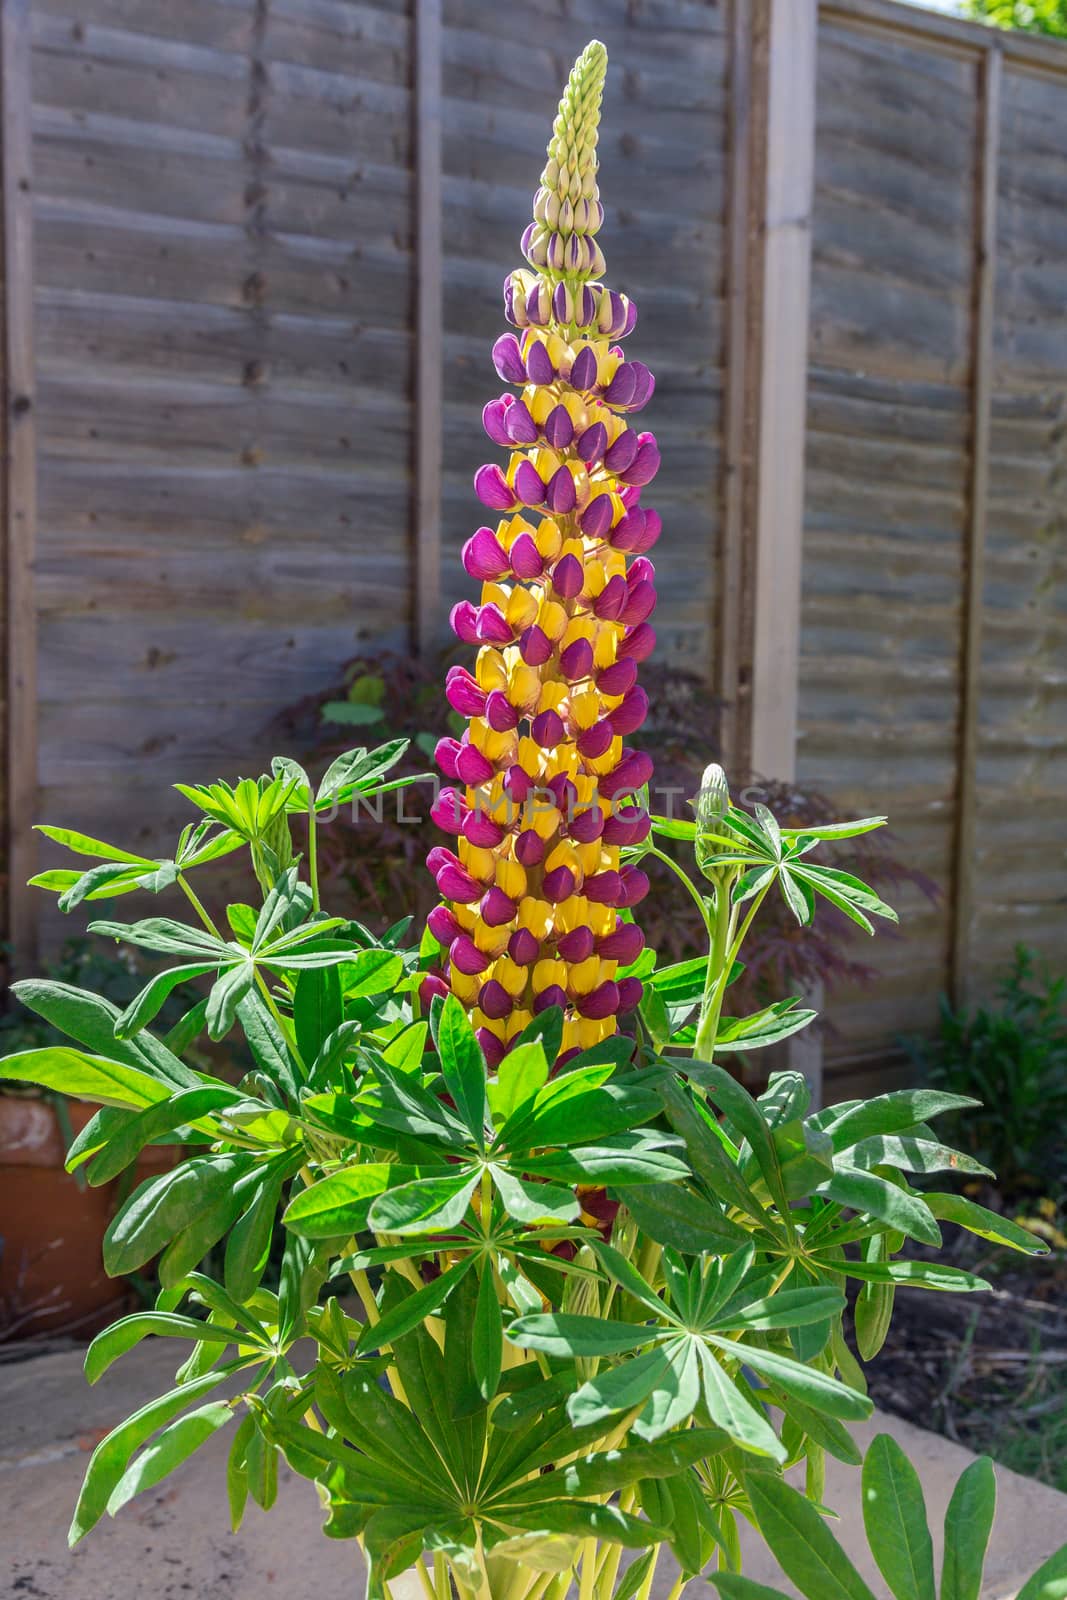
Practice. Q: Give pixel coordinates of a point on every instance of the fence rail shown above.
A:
(250, 268)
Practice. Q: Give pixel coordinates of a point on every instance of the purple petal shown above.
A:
(630, 992)
(494, 420)
(507, 359)
(595, 741)
(535, 646)
(523, 948)
(497, 908)
(611, 599)
(568, 576)
(525, 557)
(561, 495)
(539, 364)
(443, 925)
(484, 556)
(603, 1002)
(448, 810)
(552, 996)
(586, 825)
(617, 678)
(521, 427)
(620, 391)
(622, 452)
(494, 1000)
(641, 604)
(584, 370)
(596, 518)
(639, 643)
(547, 729)
(445, 754)
(472, 767)
(464, 953)
(592, 442)
(558, 885)
(529, 848)
(559, 429)
(492, 626)
(577, 945)
(493, 489)
(628, 717)
(635, 886)
(528, 485)
(624, 945)
(500, 714)
(602, 888)
(576, 662)
(463, 619)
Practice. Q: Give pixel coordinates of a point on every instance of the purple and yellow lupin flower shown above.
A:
(542, 783)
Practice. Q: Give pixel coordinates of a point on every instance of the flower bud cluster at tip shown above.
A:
(540, 796)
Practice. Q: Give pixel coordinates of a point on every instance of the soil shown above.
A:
(987, 1370)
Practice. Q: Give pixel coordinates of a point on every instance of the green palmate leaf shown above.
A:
(749, 1121)
(607, 1471)
(804, 1547)
(559, 1334)
(968, 1524)
(488, 1344)
(371, 972)
(82, 844)
(90, 1020)
(1049, 1582)
(423, 1206)
(790, 1308)
(126, 1143)
(163, 1207)
(833, 830)
(86, 1077)
(412, 1311)
(807, 1384)
(588, 1521)
(986, 1224)
(522, 1072)
(920, 1274)
(108, 1461)
(405, 1051)
(358, 770)
(462, 1065)
(829, 1434)
(675, 1397)
(769, 1026)
(249, 1240)
(874, 1305)
(318, 1009)
(736, 1414)
(656, 1017)
(337, 1205)
(890, 1113)
(894, 1515)
(534, 1202)
(732, 1586)
(129, 1331)
(618, 1388)
(672, 1214)
(910, 1153)
(865, 1191)
(267, 1044)
(173, 1446)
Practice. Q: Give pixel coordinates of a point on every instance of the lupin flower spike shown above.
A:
(543, 783)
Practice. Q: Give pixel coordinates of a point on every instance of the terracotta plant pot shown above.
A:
(52, 1280)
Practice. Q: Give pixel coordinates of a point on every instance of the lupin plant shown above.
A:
(553, 1284)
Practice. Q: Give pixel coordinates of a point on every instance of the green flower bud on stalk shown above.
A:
(711, 805)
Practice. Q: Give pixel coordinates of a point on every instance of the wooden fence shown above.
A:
(252, 254)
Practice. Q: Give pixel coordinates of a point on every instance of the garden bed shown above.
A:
(988, 1371)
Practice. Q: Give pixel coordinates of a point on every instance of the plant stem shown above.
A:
(313, 855)
(680, 873)
(195, 902)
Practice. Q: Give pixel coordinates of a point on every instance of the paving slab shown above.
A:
(174, 1543)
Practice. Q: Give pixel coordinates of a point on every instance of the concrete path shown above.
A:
(173, 1543)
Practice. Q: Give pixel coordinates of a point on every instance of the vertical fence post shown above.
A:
(782, 182)
(788, 187)
(426, 623)
(989, 91)
(18, 466)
